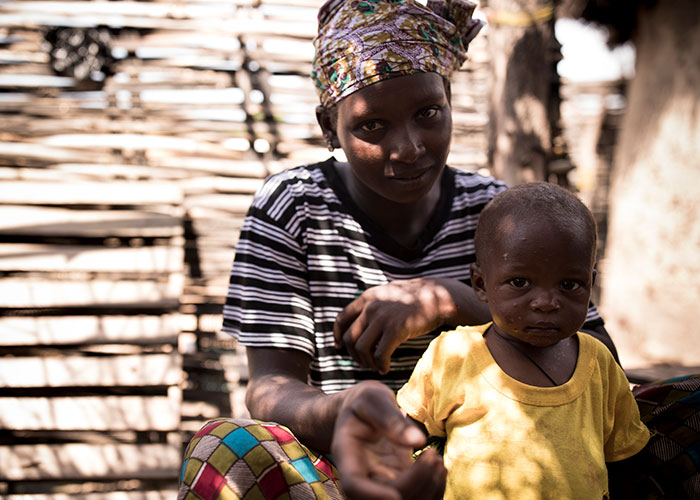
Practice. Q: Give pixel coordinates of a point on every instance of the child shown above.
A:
(531, 408)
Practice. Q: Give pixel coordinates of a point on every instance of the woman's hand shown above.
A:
(372, 326)
(373, 444)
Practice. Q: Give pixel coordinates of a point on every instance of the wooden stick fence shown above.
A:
(121, 197)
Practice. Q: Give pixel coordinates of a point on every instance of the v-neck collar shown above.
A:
(376, 234)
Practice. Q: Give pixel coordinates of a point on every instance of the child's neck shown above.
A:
(548, 366)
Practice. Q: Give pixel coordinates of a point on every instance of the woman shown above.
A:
(344, 272)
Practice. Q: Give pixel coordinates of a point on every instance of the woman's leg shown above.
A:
(247, 459)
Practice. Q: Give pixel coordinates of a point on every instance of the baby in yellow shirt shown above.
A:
(530, 407)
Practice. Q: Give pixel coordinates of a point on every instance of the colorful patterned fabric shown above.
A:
(361, 42)
(669, 466)
(251, 460)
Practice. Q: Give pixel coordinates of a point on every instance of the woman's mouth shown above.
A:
(410, 176)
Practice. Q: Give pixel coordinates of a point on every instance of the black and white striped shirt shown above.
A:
(306, 250)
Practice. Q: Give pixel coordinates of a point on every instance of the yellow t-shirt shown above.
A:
(510, 440)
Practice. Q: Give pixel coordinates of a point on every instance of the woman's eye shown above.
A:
(371, 126)
(518, 282)
(569, 285)
(428, 113)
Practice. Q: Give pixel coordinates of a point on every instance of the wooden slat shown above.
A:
(222, 185)
(165, 494)
(85, 461)
(15, 150)
(234, 203)
(54, 292)
(103, 371)
(90, 193)
(142, 141)
(643, 374)
(34, 81)
(57, 221)
(64, 258)
(213, 165)
(62, 330)
(175, 16)
(99, 413)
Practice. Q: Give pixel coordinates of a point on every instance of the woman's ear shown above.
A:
(478, 282)
(327, 120)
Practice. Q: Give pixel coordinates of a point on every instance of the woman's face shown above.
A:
(396, 135)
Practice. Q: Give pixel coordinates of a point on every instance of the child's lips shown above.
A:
(543, 327)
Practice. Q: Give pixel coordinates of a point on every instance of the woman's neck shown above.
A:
(403, 222)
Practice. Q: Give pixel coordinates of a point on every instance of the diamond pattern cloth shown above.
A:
(668, 467)
(251, 460)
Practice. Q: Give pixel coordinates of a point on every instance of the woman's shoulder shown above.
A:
(308, 173)
(474, 189)
(294, 182)
(467, 179)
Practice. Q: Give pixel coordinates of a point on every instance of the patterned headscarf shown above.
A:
(361, 42)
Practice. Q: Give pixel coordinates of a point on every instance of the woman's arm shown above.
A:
(372, 326)
(278, 391)
(373, 442)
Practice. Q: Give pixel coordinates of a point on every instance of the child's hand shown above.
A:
(373, 444)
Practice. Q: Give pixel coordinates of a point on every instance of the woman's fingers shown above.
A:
(373, 325)
(385, 347)
(376, 408)
(344, 321)
(368, 489)
(425, 480)
(365, 345)
(372, 442)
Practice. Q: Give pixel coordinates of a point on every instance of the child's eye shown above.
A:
(371, 126)
(518, 282)
(569, 285)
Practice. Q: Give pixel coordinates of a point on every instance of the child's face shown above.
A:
(537, 282)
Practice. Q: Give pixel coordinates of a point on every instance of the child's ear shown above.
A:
(595, 275)
(478, 282)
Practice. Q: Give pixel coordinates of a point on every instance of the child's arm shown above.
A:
(628, 479)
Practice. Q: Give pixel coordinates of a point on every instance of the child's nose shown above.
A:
(545, 300)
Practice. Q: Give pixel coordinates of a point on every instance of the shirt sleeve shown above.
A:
(268, 302)
(626, 434)
(418, 396)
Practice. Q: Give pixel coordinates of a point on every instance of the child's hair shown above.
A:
(548, 202)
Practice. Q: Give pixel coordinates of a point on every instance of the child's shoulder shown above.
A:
(461, 336)
(593, 349)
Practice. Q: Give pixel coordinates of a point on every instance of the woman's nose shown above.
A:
(407, 145)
